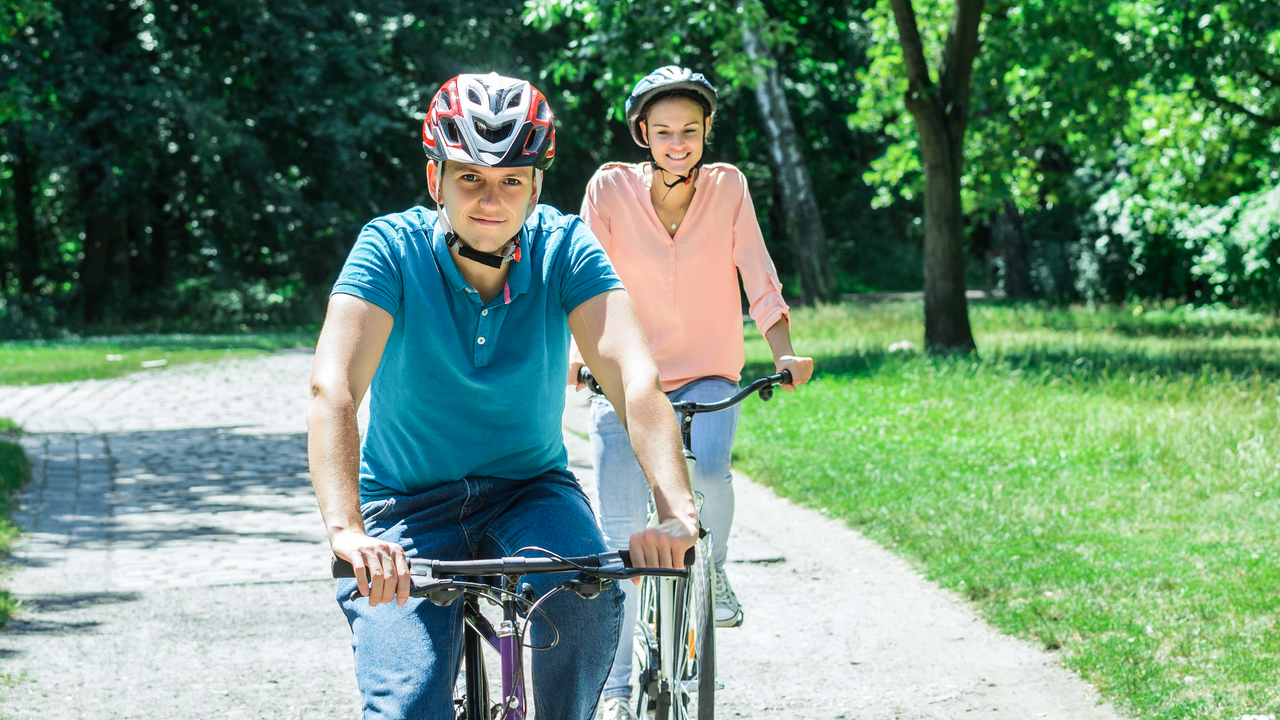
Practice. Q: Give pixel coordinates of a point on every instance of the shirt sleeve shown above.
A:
(372, 270)
(759, 277)
(596, 213)
(585, 268)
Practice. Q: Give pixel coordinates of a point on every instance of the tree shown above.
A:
(803, 218)
(940, 110)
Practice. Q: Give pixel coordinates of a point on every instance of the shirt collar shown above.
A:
(517, 279)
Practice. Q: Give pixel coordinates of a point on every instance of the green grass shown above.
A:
(1101, 482)
(15, 471)
(29, 363)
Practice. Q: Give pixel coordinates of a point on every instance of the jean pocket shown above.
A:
(374, 509)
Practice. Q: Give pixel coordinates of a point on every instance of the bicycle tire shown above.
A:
(695, 670)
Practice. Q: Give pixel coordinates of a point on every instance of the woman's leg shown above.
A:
(712, 436)
(624, 509)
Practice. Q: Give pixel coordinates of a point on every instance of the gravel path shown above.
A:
(175, 567)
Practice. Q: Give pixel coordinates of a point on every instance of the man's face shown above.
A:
(486, 205)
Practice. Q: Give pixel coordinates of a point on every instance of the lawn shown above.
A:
(1102, 482)
(30, 363)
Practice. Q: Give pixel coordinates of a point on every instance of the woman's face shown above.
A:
(675, 131)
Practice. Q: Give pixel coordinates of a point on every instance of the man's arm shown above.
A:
(347, 354)
(613, 344)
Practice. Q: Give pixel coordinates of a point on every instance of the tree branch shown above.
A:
(904, 16)
(1207, 89)
(961, 50)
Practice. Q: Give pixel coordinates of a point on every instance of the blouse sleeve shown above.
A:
(759, 277)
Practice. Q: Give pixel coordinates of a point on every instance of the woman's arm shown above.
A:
(764, 290)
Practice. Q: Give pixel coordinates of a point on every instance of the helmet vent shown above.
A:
(535, 138)
(450, 131)
(543, 111)
(442, 101)
(514, 101)
(494, 135)
(474, 96)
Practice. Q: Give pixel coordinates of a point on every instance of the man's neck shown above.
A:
(486, 280)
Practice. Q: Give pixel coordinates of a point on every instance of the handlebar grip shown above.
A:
(341, 568)
(585, 377)
(786, 376)
(689, 556)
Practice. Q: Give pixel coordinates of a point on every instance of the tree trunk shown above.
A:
(99, 231)
(1006, 231)
(24, 208)
(941, 112)
(803, 219)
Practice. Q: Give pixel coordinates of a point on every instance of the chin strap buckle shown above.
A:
(509, 252)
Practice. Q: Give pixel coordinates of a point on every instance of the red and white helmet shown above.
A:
(492, 121)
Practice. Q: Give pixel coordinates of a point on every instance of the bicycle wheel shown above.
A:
(695, 682)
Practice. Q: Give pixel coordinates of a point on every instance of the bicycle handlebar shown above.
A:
(612, 565)
(764, 386)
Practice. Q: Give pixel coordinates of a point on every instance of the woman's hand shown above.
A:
(801, 370)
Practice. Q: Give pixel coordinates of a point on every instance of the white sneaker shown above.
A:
(615, 708)
(728, 611)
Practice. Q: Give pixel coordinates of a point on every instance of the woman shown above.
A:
(678, 233)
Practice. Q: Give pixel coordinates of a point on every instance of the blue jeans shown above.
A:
(407, 658)
(624, 492)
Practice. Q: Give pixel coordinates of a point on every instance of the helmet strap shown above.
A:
(693, 171)
(508, 252)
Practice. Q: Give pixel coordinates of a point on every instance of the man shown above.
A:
(458, 323)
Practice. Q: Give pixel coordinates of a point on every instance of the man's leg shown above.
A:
(624, 505)
(552, 512)
(407, 657)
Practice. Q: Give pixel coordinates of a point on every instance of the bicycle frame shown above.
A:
(510, 649)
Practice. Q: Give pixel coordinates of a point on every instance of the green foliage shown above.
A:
(1100, 482)
(206, 167)
(15, 471)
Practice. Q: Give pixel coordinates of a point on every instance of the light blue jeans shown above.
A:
(624, 492)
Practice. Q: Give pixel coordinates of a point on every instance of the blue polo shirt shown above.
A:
(465, 388)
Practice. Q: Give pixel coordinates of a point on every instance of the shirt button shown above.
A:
(484, 312)
(470, 290)
(481, 341)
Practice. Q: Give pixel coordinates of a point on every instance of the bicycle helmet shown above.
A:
(660, 82)
(490, 120)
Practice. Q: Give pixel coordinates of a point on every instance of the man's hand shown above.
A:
(388, 568)
(574, 367)
(801, 370)
(664, 545)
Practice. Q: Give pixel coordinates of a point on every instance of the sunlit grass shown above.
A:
(1104, 483)
(30, 363)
